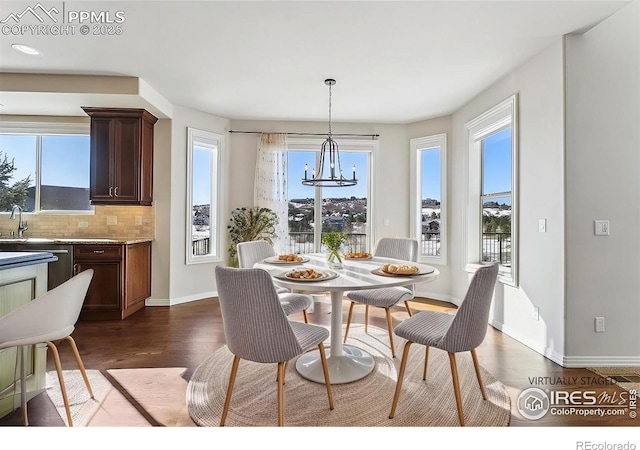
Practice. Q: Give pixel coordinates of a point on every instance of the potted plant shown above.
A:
(250, 224)
(333, 242)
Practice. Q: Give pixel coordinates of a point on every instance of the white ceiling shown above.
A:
(394, 62)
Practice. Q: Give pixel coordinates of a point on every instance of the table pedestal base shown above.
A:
(352, 365)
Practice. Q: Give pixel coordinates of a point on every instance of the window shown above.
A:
(428, 197)
(492, 234)
(203, 201)
(47, 168)
(343, 209)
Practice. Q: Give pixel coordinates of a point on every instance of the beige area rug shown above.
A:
(82, 406)
(626, 377)
(364, 403)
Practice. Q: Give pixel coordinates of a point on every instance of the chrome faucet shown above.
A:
(22, 226)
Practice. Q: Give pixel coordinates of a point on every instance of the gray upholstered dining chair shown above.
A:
(462, 332)
(257, 329)
(252, 252)
(49, 317)
(398, 248)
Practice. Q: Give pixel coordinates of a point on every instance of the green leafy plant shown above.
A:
(333, 242)
(11, 194)
(251, 224)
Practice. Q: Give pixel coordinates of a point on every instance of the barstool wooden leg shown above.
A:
(426, 359)
(366, 318)
(63, 389)
(23, 383)
(325, 370)
(72, 342)
(232, 380)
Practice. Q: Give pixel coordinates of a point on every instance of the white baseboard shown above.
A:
(179, 300)
(601, 361)
(533, 345)
(436, 296)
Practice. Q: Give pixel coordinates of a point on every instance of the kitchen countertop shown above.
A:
(71, 240)
(10, 260)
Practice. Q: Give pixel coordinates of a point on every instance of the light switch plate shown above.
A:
(542, 225)
(601, 228)
(138, 220)
(112, 220)
(83, 224)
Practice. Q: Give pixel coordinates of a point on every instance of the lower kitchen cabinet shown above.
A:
(121, 280)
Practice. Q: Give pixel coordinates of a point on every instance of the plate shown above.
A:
(275, 260)
(327, 275)
(356, 259)
(379, 271)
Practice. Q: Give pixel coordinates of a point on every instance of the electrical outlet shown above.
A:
(542, 225)
(138, 220)
(601, 228)
(112, 220)
(83, 224)
(599, 324)
(386, 222)
(536, 313)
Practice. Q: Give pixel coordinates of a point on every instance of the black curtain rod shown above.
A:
(372, 136)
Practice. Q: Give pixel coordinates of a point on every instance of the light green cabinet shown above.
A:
(18, 286)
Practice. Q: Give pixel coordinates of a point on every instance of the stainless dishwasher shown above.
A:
(60, 270)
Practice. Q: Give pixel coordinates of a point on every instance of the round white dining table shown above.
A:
(347, 363)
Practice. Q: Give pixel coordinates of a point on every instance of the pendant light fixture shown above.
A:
(329, 151)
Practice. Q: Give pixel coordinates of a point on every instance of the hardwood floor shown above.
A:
(184, 335)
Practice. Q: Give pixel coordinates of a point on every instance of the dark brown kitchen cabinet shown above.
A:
(121, 279)
(121, 161)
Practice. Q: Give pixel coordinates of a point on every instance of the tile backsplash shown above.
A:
(130, 222)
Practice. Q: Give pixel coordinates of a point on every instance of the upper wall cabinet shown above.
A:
(121, 156)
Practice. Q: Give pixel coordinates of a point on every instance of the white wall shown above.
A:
(539, 85)
(172, 276)
(603, 161)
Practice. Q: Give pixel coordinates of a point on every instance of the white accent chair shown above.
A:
(252, 252)
(50, 317)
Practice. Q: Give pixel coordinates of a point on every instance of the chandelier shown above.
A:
(329, 149)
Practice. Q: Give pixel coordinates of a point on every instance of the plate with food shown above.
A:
(309, 275)
(358, 255)
(401, 270)
(287, 259)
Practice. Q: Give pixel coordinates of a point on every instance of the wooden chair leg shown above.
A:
(325, 370)
(366, 318)
(390, 328)
(22, 350)
(63, 389)
(456, 386)
(478, 376)
(284, 372)
(403, 366)
(280, 394)
(346, 332)
(306, 318)
(232, 380)
(406, 305)
(426, 360)
(72, 342)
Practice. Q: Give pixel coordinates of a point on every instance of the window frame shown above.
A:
(345, 145)
(40, 129)
(495, 119)
(418, 145)
(210, 140)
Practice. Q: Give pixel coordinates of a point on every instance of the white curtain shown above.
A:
(271, 183)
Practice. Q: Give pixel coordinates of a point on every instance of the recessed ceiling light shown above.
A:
(26, 49)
